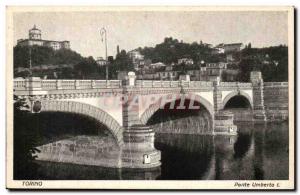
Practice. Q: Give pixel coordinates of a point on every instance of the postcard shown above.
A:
(193, 98)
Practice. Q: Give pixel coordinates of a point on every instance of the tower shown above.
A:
(118, 49)
(35, 33)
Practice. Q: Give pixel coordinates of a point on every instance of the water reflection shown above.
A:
(257, 152)
(184, 156)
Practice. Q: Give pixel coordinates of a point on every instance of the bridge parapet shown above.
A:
(276, 84)
(172, 84)
(235, 85)
(47, 84)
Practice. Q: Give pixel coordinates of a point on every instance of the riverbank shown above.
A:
(85, 150)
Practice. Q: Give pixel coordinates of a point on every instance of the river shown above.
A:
(257, 152)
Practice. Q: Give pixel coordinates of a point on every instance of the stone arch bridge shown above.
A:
(126, 106)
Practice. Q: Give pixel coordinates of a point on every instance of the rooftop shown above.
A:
(35, 28)
(22, 40)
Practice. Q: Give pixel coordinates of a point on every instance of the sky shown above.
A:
(131, 30)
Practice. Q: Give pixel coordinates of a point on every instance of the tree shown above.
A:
(87, 68)
(26, 138)
(249, 45)
(121, 63)
(271, 61)
(170, 50)
(246, 66)
(41, 55)
(224, 76)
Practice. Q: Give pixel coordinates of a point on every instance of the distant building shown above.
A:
(167, 75)
(227, 48)
(137, 58)
(209, 72)
(229, 75)
(101, 62)
(143, 64)
(186, 61)
(135, 55)
(217, 50)
(214, 70)
(184, 77)
(157, 65)
(155, 74)
(208, 45)
(169, 68)
(147, 74)
(194, 75)
(233, 47)
(35, 38)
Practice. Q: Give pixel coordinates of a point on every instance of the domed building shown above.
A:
(35, 38)
(35, 33)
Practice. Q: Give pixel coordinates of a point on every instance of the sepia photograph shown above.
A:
(183, 97)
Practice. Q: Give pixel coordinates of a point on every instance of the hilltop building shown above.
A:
(101, 62)
(227, 48)
(35, 38)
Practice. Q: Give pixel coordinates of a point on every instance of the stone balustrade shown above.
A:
(171, 84)
(235, 84)
(276, 84)
(47, 84)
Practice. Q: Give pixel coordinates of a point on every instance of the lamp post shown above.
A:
(201, 64)
(103, 33)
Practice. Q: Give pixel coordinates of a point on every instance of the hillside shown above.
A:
(271, 61)
(41, 55)
(171, 50)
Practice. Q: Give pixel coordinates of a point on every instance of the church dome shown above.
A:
(35, 33)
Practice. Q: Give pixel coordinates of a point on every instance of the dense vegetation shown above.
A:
(271, 61)
(44, 56)
(25, 141)
(171, 50)
(81, 67)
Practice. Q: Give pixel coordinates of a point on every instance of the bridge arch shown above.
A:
(148, 113)
(87, 110)
(235, 94)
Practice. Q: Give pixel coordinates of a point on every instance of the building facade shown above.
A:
(101, 62)
(186, 61)
(227, 48)
(137, 58)
(35, 38)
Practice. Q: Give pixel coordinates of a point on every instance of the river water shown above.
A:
(257, 152)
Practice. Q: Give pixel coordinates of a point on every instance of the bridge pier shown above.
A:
(223, 121)
(259, 113)
(138, 150)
